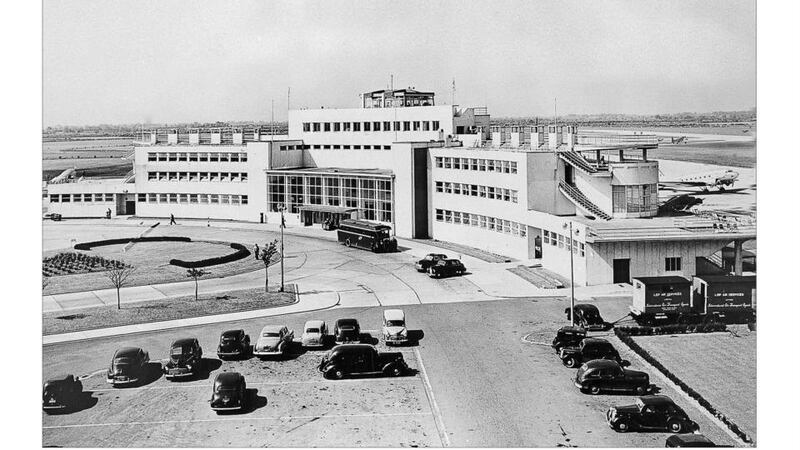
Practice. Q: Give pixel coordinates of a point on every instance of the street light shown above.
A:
(571, 272)
(282, 208)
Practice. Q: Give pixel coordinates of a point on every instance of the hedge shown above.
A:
(709, 327)
(89, 245)
(240, 253)
(627, 340)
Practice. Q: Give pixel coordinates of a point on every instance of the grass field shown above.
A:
(736, 154)
(160, 310)
(720, 366)
(92, 157)
(151, 263)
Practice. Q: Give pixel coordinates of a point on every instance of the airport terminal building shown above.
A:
(430, 171)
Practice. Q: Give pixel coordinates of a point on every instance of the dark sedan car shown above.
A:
(689, 440)
(233, 344)
(568, 337)
(347, 330)
(602, 375)
(128, 366)
(61, 393)
(588, 316)
(587, 350)
(430, 259)
(230, 392)
(446, 268)
(185, 359)
(361, 359)
(650, 412)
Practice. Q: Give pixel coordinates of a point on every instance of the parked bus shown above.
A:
(366, 235)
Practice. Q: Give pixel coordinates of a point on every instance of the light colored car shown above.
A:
(394, 327)
(315, 332)
(274, 340)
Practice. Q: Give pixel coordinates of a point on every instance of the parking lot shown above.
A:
(475, 382)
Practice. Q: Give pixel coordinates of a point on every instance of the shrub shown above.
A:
(709, 327)
(240, 253)
(89, 245)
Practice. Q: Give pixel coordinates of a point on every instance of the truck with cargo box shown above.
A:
(666, 299)
(729, 298)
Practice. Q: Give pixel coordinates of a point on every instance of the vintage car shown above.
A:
(185, 359)
(55, 217)
(315, 333)
(588, 317)
(688, 440)
(587, 350)
(394, 327)
(346, 330)
(650, 412)
(568, 336)
(233, 344)
(274, 340)
(446, 268)
(604, 375)
(430, 259)
(128, 366)
(361, 359)
(230, 392)
(61, 393)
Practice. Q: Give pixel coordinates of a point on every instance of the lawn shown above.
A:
(719, 366)
(168, 309)
(151, 263)
(735, 154)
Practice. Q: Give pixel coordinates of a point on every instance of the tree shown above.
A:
(267, 253)
(195, 273)
(119, 275)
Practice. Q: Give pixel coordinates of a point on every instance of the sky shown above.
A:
(132, 61)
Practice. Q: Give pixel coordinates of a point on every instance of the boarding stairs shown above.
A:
(580, 200)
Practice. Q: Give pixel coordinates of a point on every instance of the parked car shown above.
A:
(361, 359)
(394, 327)
(650, 412)
(229, 392)
(568, 336)
(274, 340)
(688, 440)
(185, 359)
(588, 317)
(55, 217)
(61, 393)
(446, 268)
(587, 350)
(315, 332)
(430, 259)
(128, 366)
(602, 375)
(346, 330)
(233, 344)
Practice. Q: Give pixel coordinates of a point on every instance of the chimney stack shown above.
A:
(517, 137)
(497, 137)
(555, 136)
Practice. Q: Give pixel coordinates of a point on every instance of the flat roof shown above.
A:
(335, 171)
(666, 228)
(727, 278)
(327, 208)
(669, 279)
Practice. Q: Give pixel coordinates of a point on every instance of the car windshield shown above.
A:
(395, 323)
(312, 330)
(180, 351)
(226, 389)
(270, 334)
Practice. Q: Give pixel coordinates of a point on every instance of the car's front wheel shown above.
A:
(640, 390)
(622, 426)
(570, 362)
(395, 371)
(594, 390)
(674, 426)
(335, 374)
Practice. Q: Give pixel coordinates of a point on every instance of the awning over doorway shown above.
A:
(327, 209)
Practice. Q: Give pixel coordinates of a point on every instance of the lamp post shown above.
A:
(282, 208)
(571, 274)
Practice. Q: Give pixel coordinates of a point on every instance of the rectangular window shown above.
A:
(416, 125)
(506, 195)
(152, 157)
(183, 157)
(457, 188)
(618, 199)
(367, 126)
(213, 157)
(356, 126)
(326, 127)
(87, 197)
(65, 198)
(583, 249)
(316, 127)
(473, 163)
(473, 190)
(490, 165)
(346, 126)
(376, 126)
(456, 217)
(439, 186)
(173, 198)
(387, 126)
(214, 198)
(448, 216)
(448, 163)
(204, 198)
(397, 126)
(439, 162)
(483, 222)
(306, 127)
(439, 215)
(76, 197)
(152, 176)
(672, 264)
(482, 165)
(482, 191)
(192, 198)
(560, 241)
(109, 197)
(183, 198)
(513, 167)
(54, 198)
(426, 125)
(387, 147)
(244, 199)
(545, 237)
(456, 163)
(152, 198)
(435, 125)
(193, 157)
(448, 188)
(172, 156)
(337, 126)
(406, 126)
(490, 223)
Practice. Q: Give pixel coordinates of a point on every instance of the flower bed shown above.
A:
(72, 263)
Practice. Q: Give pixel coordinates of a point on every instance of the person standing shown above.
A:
(255, 251)
(172, 219)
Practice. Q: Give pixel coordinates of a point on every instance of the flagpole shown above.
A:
(283, 224)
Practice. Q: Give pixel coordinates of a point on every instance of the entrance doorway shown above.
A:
(622, 270)
(130, 207)
(569, 174)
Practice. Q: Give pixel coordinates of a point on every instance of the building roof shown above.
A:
(686, 228)
(669, 279)
(727, 278)
(335, 171)
(399, 91)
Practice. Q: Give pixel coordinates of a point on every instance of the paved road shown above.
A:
(489, 388)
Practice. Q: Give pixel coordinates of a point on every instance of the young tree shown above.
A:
(268, 252)
(195, 273)
(119, 274)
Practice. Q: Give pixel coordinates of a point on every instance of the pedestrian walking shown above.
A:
(255, 251)
(108, 213)
(172, 219)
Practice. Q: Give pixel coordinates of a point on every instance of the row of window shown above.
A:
(208, 199)
(564, 242)
(334, 147)
(197, 176)
(477, 220)
(477, 164)
(634, 198)
(334, 127)
(197, 156)
(476, 190)
(78, 198)
(672, 263)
